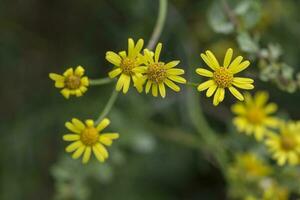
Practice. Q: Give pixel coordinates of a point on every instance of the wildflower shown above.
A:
(253, 115)
(72, 82)
(223, 76)
(87, 138)
(158, 74)
(125, 66)
(285, 146)
(250, 167)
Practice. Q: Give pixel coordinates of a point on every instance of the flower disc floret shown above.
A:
(223, 77)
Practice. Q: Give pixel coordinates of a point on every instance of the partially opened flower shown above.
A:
(87, 138)
(125, 66)
(285, 146)
(223, 76)
(158, 74)
(72, 82)
(254, 115)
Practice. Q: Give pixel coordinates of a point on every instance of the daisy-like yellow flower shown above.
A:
(250, 167)
(87, 138)
(126, 65)
(285, 146)
(157, 74)
(254, 115)
(72, 81)
(223, 76)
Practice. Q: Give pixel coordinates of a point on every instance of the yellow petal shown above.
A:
(208, 61)
(204, 72)
(139, 46)
(130, 47)
(245, 86)
(228, 57)
(115, 72)
(175, 71)
(71, 137)
(205, 85)
(148, 86)
(103, 124)
(78, 124)
(261, 98)
(98, 154)
(113, 58)
(79, 71)
(78, 152)
(68, 72)
(123, 54)
(221, 95)
(239, 109)
(211, 90)
(73, 146)
(107, 138)
(236, 68)
(72, 128)
(86, 155)
(78, 93)
(235, 63)
(121, 82)
(242, 80)
(162, 90)
(85, 81)
(56, 77)
(172, 85)
(216, 97)
(89, 123)
(236, 93)
(59, 84)
(126, 84)
(177, 79)
(270, 108)
(213, 59)
(102, 150)
(154, 89)
(66, 93)
(172, 64)
(138, 82)
(157, 52)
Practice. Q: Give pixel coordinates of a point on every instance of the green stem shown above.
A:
(101, 81)
(163, 4)
(108, 106)
(192, 84)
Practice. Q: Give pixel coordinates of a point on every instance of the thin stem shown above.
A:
(101, 81)
(230, 14)
(108, 106)
(192, 84)
(163, 4)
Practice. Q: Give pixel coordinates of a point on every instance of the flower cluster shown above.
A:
(255, 116)
(144, 70)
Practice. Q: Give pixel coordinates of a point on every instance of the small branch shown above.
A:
(192, 84)
(108, 106)
(101, 81)
(162, 13)
(230, 14)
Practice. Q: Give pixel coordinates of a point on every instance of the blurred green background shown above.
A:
(149, 161)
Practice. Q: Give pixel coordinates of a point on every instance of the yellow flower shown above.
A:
(87, 138)
(275, 192)
(72, 82)
(250, 167)
(253, 115)
(158, 74)
(125, 66)
(285, 146)
(223, 76)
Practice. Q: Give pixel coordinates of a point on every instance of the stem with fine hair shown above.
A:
(101, 81)
(162, 13)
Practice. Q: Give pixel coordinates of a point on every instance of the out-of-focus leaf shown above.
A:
(246, 43)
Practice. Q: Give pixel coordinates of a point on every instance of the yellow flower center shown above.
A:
(73, 82)
(288, 143)
(255, 115)
(89, 136)
(127, 65)
(156, 72)
(223, 77)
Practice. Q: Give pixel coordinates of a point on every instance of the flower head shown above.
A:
(285, 146)
(72, 81)
(249, 167)
(87, 137)
(126, 65)
(157, 74)
(254, 115)
(223, 76)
